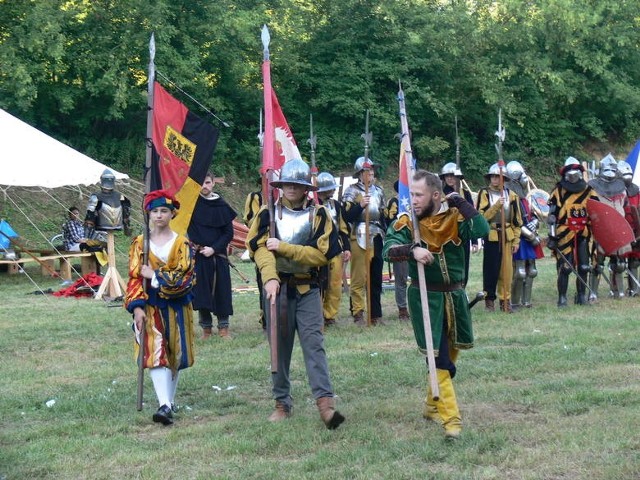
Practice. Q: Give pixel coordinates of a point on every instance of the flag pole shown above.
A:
(268, 163)
(147, 186)
(424, 299)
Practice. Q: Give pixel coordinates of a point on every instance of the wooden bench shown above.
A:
(88, 263)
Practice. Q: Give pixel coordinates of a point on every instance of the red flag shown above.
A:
(183, 146)
(279, 144)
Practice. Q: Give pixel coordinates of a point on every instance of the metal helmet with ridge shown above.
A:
(451, 169)
(625, 170)
(495, 169)
(359, 166)
(295, 171)
(571, 163)
(515, 171)
(608, 168)
(325, 182)
(107, 180)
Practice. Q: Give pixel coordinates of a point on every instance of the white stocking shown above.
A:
(161, 377)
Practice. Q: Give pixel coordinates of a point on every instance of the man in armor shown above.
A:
(452, 177)
(632, 214)
(612, 191)
(524, 260)
(357, 201)
(108, 210)
(569, 230)
(305, 240)
(497, 268)
(332, 283)
(400, 269)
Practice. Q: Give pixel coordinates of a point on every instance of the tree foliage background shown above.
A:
(566, 74)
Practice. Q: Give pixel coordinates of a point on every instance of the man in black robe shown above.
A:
(211, 230)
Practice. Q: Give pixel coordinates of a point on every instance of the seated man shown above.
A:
(73, 231)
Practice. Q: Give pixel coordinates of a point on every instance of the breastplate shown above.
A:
(333, 211)
(295, 227)
(493, 198)
(375, 202)
(109, 217)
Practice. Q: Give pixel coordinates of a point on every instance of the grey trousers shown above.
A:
(400, 273)
(305, 316)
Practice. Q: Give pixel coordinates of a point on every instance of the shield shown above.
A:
(538, 199)
(610, 229)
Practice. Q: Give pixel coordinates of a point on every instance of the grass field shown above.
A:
(545, 394)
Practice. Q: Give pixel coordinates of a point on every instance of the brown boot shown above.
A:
(403, 314)
(224, 333)
(329, 322)
(328, 413)
(489, 306)
(505, 306)
(377, 321)
(359, 320)
(206, 332)
(282, 412)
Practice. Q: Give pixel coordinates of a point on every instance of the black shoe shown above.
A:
(163, 415)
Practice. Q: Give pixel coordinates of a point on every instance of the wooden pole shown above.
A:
(424, 298)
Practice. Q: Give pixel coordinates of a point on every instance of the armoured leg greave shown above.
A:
(634, 267)
(532, 272)
(517, 283)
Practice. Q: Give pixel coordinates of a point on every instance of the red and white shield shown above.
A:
(610, 229)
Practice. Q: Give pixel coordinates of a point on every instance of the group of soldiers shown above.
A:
(361, 215)
(302, 242)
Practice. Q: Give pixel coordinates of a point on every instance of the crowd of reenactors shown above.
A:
(361, 215)
(303, 243)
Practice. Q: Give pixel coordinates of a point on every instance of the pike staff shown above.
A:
(268, 163)
(145, 233)
(313, 139)
(424, 299)
(500, 134)
(366, 167)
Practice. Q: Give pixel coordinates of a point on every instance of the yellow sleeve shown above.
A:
(256, 244)
(487, 211)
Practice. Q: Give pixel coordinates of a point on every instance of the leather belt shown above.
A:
(439, 287)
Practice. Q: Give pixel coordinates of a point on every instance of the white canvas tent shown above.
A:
(30, 158)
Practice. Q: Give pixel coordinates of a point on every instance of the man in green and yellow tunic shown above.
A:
(446, 225)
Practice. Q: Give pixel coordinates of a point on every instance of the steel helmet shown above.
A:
(515, 171)
(608, 168)
(495, 169)
(325, 182)
(107, 180)
(451, 169)
(626, 172)
(571, 163)
(359, 166)
(295, 171)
